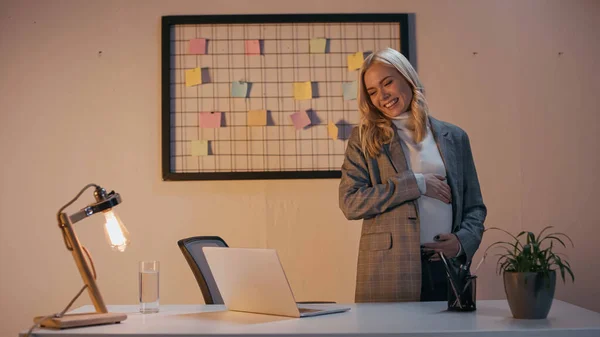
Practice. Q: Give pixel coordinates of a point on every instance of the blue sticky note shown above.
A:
(239, 89)
(350, 90)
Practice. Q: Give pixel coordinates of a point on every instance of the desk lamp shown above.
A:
(118, 238)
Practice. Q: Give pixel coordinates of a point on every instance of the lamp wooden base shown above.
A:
(79, 320)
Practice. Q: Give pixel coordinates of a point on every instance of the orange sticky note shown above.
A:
(252, 47)
(193, 77)
(199, 148)
(332, 130)
(257, 117)
(198, 46)
(355, 61)
(302, 90)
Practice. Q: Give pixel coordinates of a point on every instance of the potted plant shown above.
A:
(529, 270)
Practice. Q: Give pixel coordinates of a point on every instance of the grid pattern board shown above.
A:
(285, 58)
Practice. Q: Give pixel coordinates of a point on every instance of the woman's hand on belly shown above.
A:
(436, 187)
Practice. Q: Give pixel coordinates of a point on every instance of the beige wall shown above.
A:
(70, 117)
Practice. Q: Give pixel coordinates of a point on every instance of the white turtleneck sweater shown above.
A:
(435, 216)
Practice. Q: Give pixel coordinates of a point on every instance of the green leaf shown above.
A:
(527, 249)
(561, 266)
(570, 273)
(499, 243)
(551, 237)
(542, 232)
(530, 238)
(554, 236)
(502, 230)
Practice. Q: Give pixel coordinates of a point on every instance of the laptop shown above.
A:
(253, 280)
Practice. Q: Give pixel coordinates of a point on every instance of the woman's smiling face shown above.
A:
(387, 89)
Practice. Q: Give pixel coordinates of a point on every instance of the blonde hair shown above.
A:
(375, 129)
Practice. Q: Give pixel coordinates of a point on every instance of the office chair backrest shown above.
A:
(192, 251)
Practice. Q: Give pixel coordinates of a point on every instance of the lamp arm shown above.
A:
(82, 214)
(62, 217)
(86, 272)
(74, 199)
(72, 242)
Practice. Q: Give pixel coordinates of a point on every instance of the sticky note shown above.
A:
(257, 117)
(350, 90)
(210, 120)
(193, 77)
(252, 47)
(355, 61)
(302, 90)
(198, 46)
(317, 45)
(332, 130)
(239, 89)
(300, 119)
(199, 148)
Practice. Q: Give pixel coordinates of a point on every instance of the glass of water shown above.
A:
(149, 295)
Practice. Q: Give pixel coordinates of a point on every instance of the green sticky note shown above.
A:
(199, 148)
(239, 89)
(350, 90)
(317, 45)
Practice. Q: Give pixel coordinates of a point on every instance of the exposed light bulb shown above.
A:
(115, 232)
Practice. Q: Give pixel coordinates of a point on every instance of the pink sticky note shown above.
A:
(252, 47)
(300, 119)
(198, 46)
(210, 119)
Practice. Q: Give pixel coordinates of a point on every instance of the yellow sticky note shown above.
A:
(317, 45)
(332, 130)
(193, 77)
(355, 61)
(199, 148)
(302, 90)
(257, 117)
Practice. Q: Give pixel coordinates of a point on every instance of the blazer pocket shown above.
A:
(375, 241)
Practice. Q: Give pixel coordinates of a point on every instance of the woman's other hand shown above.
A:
(437, 187)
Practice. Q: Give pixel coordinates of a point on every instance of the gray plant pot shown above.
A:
(529, 295)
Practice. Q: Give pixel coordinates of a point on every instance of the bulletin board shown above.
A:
(265, 96)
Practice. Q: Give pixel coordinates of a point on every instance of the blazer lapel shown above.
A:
(446, 147)
(395, 153)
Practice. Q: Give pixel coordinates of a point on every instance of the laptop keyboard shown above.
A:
(303, 310)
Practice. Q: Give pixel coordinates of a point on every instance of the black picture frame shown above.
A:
(169, 21)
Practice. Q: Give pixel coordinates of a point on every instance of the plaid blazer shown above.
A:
(383, 191)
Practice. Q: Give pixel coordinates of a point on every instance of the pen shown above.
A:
(479, 264)
(467, 283)
(450, 279)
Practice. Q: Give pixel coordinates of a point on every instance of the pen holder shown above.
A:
(467, 290)
(461, 285)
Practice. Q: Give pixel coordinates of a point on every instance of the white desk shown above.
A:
(492, 318)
